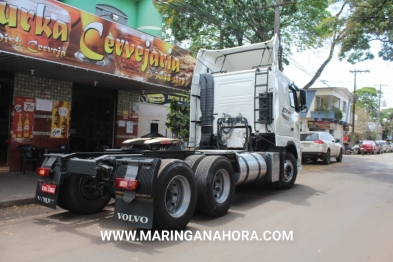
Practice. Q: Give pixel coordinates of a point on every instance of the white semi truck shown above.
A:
(244, 126)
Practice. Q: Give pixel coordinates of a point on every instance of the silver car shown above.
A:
(385, 148)
(320, 145)
(390, 144)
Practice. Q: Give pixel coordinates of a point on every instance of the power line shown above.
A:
(300, 67)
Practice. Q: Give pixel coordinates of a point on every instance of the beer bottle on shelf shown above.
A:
(26, 126)
(56, 118)
(63, 127)
(19, 127)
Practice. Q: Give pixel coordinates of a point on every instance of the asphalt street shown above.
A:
(339, 212)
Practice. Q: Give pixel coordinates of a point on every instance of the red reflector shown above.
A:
(166, 142)
(318, 142)
(42, 171)
(48, 188)
(127, 184)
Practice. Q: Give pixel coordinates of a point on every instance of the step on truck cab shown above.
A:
(244, 126)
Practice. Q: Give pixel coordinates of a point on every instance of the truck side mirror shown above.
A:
(303, 100)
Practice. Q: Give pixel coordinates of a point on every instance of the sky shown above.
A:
(337, 73)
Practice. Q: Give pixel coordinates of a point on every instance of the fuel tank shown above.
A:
(252, 166)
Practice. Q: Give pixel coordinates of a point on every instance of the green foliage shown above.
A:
(369, 20)
(368, 98)
(217, 24)
(338, 114)
(178, 118)
(323, 108)
(387, 121)
(371, 135)
(348, 24)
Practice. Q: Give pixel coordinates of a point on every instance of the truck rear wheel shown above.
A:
(62, 199)
(176, 196)
(194, 160)
(82, 196)
(216, 185)
(289, 174)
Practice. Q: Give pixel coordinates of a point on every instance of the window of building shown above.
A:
(111, 13)
(344, 107)
(319, 102)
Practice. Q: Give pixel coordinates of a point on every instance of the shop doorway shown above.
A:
(5, 102)
(92, 119)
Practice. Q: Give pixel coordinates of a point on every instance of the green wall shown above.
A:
(142, 14)
(149, 20)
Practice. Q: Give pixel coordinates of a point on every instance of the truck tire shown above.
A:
(216, 185)
(62, 198)
(176, 195)
(288, 177)
(82, 197)
(194, 160)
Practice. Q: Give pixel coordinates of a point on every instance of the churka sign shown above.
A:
(56, 32)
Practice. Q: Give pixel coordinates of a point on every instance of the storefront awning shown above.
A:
(53, 40)
(12, 63)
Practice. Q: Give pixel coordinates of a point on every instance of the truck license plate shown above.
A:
(48, 188)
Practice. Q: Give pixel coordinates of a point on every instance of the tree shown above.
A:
(368, 98)
(387, 122)
(355, 25)
(178, 118)
(346, 24)
(217, 24)
(371, 20)
(361, 126)
(332, 29)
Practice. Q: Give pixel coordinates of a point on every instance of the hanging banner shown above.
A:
(53, 31)
(60, 119)
(319, 124)
(164, 98)
(23, 119)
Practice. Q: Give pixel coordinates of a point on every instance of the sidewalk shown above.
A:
(17, 188)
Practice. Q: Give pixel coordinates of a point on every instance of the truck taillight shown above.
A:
(43, 171)
(126, 184)
(166, 142)
(318, 142)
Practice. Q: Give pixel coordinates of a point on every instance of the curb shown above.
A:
(19, 202)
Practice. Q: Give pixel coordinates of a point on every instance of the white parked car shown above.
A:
(390, 144)
(320, 145)
(385, 148)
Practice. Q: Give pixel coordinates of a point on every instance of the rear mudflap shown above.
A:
(138, 213)
(48, 187)
(135, 207)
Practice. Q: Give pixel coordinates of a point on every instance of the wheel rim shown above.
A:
(88, 189)
(288, 171)
(221, 186)
(177, 196)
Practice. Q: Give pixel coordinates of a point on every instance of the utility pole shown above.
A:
(277, 28)
(277, 15)
(379, 111)
(277, 18)
(354, 99)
